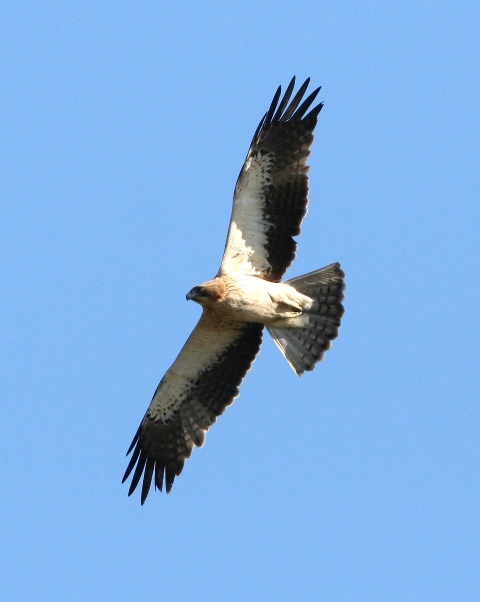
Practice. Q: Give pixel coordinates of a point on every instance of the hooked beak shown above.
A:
(190, 296)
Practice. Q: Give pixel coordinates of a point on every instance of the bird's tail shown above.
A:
(304, 347)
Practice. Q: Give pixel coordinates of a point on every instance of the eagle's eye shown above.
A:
(198, 292)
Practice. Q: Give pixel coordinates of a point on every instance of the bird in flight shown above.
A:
(247, 294)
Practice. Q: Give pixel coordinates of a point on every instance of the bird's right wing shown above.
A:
(201, 383)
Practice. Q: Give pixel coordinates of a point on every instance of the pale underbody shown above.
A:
(252, 299)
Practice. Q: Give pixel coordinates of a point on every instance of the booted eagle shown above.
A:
(302, 314)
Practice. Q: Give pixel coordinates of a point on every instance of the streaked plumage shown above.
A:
(302, 314)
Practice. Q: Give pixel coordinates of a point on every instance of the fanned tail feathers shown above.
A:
(304, 347)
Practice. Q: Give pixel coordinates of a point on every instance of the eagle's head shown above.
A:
(197, 294)
(207, 293)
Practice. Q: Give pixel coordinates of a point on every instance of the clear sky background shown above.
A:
(124, 126)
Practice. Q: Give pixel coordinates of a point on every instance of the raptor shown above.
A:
(247, 294)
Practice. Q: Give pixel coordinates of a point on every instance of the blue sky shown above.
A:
(124, 126)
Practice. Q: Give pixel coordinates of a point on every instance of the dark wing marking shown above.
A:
(271, 194)
(201, 383)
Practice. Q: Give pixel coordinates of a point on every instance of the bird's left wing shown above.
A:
(201, 383)
(271, 194)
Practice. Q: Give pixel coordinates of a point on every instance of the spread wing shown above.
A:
(201, 383)
(271, 194)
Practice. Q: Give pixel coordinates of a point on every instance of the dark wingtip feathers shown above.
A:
(288, 112)
(133, 460)
(158, 477)
(295, 102)
(147, 478)
(271, 110)
(134, 441)
(303, 108)
(285, 99)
